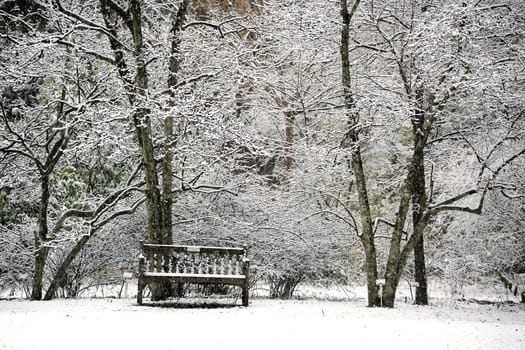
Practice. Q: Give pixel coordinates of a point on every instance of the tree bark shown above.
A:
(159, 200)
(142, 120)
(394, 266)
(352, 141)
(420, 273)
(419, 204)
(419, 197)
(38, 276)
(367, 233)
(40, 239)
(164, 290)
(167, 161)
(156, 204)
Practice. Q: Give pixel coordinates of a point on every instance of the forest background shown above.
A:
(335, 139)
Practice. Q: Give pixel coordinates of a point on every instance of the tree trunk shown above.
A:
(156, 206)
(367, 232)
(42, 251)
(167, 161)
(419, 197)
(62, 269)
(164, 290)
(159, 201)
(352, 141)
(38, 277)
(395, 264)
(420, 273)
(411, 193)
(389, 293)
(418, 206)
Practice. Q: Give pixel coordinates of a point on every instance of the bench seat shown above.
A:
(237, 280)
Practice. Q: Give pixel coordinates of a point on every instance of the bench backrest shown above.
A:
(193, 259)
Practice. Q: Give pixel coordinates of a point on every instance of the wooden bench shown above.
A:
(193, 264)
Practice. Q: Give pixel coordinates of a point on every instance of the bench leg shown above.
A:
(246, 284)
(245, 293)
(139, 292)
(140, 282)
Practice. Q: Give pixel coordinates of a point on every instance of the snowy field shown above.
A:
(98, 324)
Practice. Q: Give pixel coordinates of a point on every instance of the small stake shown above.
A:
(380, 283)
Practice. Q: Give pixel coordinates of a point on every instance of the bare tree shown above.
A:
(404, 47)
(158, 82)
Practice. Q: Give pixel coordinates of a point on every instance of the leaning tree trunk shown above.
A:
(57, 280)
(367, 232)
(394, 266)
(397, 253)
(413, 192)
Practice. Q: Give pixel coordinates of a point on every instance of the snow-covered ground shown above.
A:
(98, 324)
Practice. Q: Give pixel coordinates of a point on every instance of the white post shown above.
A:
(380, 283)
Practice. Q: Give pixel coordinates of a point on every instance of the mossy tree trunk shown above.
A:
(352, 143)
(419, 196)
(412, 190)
(158, 175)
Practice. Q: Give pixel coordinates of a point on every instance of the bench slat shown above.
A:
(236, 280)
(192, 249)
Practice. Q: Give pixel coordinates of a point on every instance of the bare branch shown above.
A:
(127, 211)
(500, 143)
(445, 205)
(216, 26)
(512, 196)
(330, 212)
(90, 24)
(209, 189)
(134, 172)
(477, 210)
(26, 152)
(389, 223)
(94, 214)
(283, 230)
(454, 199)
(207, 24)
(86, 51)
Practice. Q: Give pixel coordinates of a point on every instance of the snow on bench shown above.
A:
(193, 264)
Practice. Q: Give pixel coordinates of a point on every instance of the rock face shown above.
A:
(203, 8)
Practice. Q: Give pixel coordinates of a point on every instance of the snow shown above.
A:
(98, 324)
